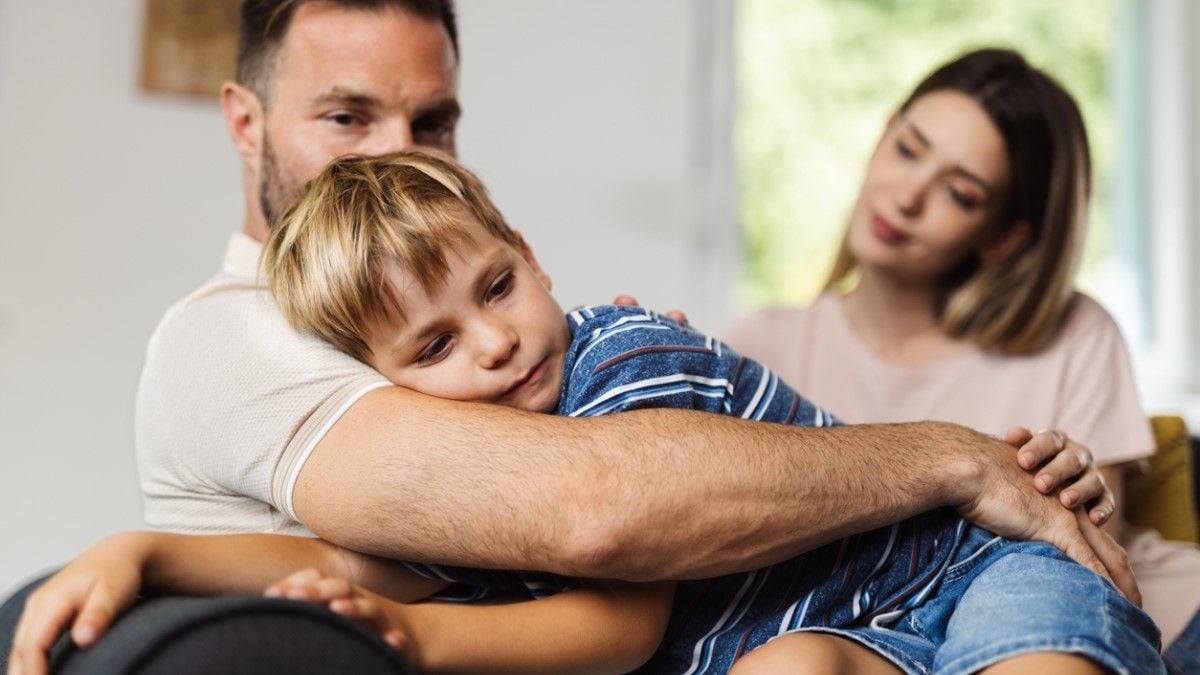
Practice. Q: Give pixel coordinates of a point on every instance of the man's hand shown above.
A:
(1006, 501)
(85, 596)
(630, 301)
(1061, 465)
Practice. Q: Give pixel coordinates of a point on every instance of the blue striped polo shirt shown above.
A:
(627, 358)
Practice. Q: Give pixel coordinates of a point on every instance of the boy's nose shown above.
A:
(498, 342)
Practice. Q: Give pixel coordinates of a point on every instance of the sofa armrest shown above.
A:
(232, 634)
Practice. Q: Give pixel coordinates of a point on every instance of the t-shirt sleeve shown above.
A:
(230, 404)
(643, 360)
(1100, 406)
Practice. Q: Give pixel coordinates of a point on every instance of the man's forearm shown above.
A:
(652, 494)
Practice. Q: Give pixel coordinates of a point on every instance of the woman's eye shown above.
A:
(967, 202)
(502, 286)
(904, 151)
(436, 351)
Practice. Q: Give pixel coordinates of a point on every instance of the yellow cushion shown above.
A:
(1165, 499)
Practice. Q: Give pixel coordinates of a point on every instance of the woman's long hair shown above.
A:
(1017, 305)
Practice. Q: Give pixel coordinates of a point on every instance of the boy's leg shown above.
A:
(1024, 600)
(812, 654)
(1045, 662)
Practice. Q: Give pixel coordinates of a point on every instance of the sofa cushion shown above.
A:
(1165, 499)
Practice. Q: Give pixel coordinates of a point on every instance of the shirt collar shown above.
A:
(241, 255)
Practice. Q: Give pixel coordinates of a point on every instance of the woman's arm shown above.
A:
(603, 627)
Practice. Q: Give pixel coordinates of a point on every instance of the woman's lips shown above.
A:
(884, 231)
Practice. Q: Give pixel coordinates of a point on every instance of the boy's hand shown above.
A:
(1064, 465)
(1000, 500)
(343, 597)
(86, 595)
(630, 301)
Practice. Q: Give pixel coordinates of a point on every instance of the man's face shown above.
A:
(347, 81)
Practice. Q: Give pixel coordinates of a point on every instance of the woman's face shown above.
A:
(933, 191)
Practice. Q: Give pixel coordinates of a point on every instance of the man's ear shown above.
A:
(527, 253)
(1014, 240)
(244, 119)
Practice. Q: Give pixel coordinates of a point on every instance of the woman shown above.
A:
(952, 296)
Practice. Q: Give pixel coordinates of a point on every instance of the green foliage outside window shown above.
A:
(817, 81)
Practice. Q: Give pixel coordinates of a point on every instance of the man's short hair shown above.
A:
(264, 23)
(326, 259)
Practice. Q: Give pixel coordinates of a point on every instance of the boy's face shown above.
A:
(491, 332)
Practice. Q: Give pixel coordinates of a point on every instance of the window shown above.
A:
(817, 81)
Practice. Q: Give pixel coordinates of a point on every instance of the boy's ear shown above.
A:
(527, 253)
(244, 119)
(1011, 243)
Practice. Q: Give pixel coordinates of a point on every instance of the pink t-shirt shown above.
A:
(1082, 383)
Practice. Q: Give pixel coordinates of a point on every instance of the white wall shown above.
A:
(114, 203)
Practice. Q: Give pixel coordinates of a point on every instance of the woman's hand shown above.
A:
(86, 596)
(350, 600)
(1064, 465)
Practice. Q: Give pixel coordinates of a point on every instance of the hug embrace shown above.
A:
(339, 378)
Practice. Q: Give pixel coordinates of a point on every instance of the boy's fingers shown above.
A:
(1072, 462)
(1088, 489)
(321, 590)
(1018, 436)
(1115, 560)
(95, 617)
(396, 639)
(44, 619)
(1041, 447)
(363, 610)
(285, 586)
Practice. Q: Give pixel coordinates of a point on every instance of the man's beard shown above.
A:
(277, 188)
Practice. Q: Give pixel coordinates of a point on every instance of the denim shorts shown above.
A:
(1002, 598)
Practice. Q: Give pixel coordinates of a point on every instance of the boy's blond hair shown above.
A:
(326, 257)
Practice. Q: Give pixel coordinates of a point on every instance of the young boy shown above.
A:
(403, 262)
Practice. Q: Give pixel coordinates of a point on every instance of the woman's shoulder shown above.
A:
(1086, 320)
(784, 317)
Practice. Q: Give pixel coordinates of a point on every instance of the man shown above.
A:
(245, 425)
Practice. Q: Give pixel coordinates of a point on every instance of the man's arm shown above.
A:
(647, 495)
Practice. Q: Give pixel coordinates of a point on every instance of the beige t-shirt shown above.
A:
(231, 403)
(1082, 383)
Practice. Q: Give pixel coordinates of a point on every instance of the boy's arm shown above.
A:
(601, 627)
(609, 627)
(92, 590)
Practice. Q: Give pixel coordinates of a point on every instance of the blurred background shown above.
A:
(709, 148)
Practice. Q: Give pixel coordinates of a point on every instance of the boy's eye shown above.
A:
(435, 351)
(501, 287)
